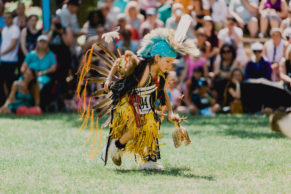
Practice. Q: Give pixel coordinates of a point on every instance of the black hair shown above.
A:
(31, 16)
(101, 19)
(232, 50)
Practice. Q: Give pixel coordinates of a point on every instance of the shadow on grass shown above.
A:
(172, 171)
(249, 134)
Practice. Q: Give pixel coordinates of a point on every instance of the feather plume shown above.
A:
(182, 28)
(99, 80)
(111, 35)
(102, 70)
(106, 110)
(106, 51)
(107, 62)
(103, 103)
(99, 93)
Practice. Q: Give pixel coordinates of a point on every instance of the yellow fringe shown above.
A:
(143, 142)
(86, 119)
(91, 128)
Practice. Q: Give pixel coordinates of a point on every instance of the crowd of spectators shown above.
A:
(238, 40)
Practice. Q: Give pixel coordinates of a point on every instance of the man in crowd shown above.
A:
(8, 54)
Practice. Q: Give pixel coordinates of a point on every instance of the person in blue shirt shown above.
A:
(41, 60)
(258, 67)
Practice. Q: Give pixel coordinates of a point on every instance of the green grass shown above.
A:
(228, 154)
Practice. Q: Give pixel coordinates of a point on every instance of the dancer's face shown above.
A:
(165, 63)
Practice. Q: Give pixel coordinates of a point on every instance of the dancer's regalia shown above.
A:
(133, 108)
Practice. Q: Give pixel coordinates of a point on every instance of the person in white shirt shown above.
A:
(274, 51)
(233, 35)
(8, 55)
(245, 12)
(218, 11)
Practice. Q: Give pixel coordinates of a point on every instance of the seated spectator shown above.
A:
(134, 18)
(232, 34)
(127, 43)
(285, 70)
(151, 21)
(245, 12)
(232, 93)
(287, 35)
(209, 28)
(287, 22)
(274, 50)
(174, 92)
(203, 45)
(197, 12)
(173, 21)
(223, 66)
(20, 19)
(192, 63)
(23, 93)
(42, 60)
(218, 12)
(201, 101)
(272, 12)
(258, 66)
(29, 35)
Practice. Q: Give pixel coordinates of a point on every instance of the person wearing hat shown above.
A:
(274, 50)
(41, 60)
(151, 21)
(258, 67)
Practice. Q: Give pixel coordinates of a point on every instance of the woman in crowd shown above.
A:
(202, 43)
(134, 18)
(23, 93)
(198, 12)
(43, 61)
(224, 63)
(20, 19)
(29, 35)
(95, 20)
(212, 38)
(232, 92)
(272, 12)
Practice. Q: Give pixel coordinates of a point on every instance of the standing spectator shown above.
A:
(134, 18)
(258, 67)
(95, 20)
(287, 22)
(245, 12)
(68, 16)
(122, 23)
(23, 93)
(29, 35)
(197, 12)
(233, 35)
(172, 22)
(20, 19)
(9, 58)
(274, 50)
(272, 12)
(2, 23)
(285, 70)
(59, 43)
(218, 12)
(151, 21)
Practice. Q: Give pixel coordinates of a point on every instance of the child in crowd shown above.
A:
(174, 91)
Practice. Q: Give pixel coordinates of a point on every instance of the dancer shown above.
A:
(134, 122)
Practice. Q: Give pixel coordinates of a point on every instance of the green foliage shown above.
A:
(228, 154)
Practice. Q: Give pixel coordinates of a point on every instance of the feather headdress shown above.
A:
(175, 39)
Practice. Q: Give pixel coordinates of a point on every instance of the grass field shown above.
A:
(228, 154)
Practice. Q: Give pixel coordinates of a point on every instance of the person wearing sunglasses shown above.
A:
(258, 66)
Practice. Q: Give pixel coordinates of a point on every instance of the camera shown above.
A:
(58, 26)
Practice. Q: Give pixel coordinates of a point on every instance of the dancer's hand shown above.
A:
(173, 117)
(107, 84)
